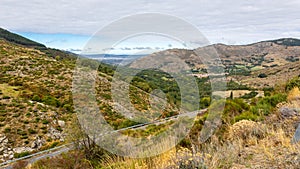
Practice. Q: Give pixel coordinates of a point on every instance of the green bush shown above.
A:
(36, 98)
(54, 144)
(205, 102)
(6, 97)
(295, 82)
(267, 104)
(45, 121)
(247, 115)
(262, 75)
(68, 107)
(233, 108)
(52, 101)
(23, 154)
(31, 131)
(249, 95)
(7, 130)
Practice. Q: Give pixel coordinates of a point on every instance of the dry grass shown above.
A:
(248, 145)
(294, 95)
(8, 90)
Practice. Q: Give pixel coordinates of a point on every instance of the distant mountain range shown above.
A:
(254, 56)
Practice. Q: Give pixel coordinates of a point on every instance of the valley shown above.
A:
(257, 123)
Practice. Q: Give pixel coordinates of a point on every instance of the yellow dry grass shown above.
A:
(8, 90)
(294, 94)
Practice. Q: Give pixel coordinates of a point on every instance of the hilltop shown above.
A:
(241, 62)
(19, 40)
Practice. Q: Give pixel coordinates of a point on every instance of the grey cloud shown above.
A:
(229, 20)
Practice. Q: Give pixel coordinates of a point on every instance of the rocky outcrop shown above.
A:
(38, 143)
(287, 112)
(55, 134)
(6, 152)
(22, 149)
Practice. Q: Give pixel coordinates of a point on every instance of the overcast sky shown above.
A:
(68, 24)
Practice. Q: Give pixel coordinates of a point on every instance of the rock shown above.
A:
(11, 156)
(2, 138)
(296, 137)
(5, 155)
(22, 149)
(54, 134)
(6, 152)
(286, 112)
(61, 123)
(38, 143)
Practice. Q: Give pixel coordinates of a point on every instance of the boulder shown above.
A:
(38, 143)
(22, 149)
(61, 123)
(55, 134)
(287, 112)
(296, 137)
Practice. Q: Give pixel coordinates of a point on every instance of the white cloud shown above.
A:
(228, 21)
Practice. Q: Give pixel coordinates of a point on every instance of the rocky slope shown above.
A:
(35, 99)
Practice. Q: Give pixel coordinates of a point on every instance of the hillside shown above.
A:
(35, 99)
(36, 107)
(17, 39)
(240, 62)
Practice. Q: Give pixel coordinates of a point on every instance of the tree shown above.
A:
(262, 75)
(231, 95)
(83, 142)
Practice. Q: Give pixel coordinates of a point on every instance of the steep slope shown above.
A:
(35, 99)
(17, 39)
(20, 40)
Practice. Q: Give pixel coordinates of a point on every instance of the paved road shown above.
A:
(38, 156)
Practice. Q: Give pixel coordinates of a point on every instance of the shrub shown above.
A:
(54, 144)
(233, 108)
(52, 101)
(45, 121)
(266, 105)
(23, 154)
(244, 129)
(247, 115)
(249, 95)
(205, 102)
(6, 97)
(68, 160)
(36, 98)
(20, 165)
(294, 94)
(68, 107)
(262, 75)
(7, 130)
(31, 131)
(295, 82)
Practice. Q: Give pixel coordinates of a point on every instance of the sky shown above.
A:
(69, 25)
